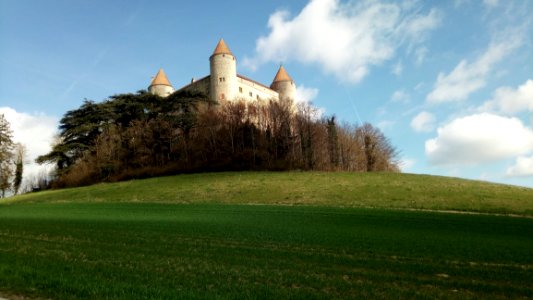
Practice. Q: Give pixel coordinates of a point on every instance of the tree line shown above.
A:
(142, 135)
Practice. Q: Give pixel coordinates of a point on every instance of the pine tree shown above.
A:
(20, 151)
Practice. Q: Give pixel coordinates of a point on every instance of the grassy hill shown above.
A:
(334, 236)
(378, 190)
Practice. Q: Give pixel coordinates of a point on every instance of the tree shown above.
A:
(379, 153)
(20, 152)
(304, 122)
(6, 156)
(142, 135)
(333, 141)
(79, 129)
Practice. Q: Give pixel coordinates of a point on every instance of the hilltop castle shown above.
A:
(223, 83)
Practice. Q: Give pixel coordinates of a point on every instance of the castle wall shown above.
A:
(246, 89)
(250, 90)
(224, 84)
(199, 86)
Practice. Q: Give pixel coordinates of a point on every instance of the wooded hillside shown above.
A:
(143, 135)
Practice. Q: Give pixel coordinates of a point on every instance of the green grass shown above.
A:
(164, 251)
(378, 190)
(198, 236)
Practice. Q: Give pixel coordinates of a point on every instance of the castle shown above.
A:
(224, 84)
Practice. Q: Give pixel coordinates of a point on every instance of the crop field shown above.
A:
(106, 247)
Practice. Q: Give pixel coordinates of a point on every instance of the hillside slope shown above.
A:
(380, 190)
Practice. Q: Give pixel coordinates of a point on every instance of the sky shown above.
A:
(450, 83)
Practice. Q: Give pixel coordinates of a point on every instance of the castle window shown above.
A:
(257, 96)
(250, 94)
(221, 79)
(240, 89)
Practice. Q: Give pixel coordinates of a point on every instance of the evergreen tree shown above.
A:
(79, 130)
(19, 167)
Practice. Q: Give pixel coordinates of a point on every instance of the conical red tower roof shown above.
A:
(160, 79)
(222, 48)
(282, 75)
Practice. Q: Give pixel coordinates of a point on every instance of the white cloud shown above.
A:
(466, 77)
(305, 94)
(479, 138)
(523, 167)
(397, 68)
(344, 38)
(35, 131)
(423, 122)
(418, 26)
(510, 101)
(400, 96)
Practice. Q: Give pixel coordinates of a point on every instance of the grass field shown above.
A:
(376, 190)
(149, 240)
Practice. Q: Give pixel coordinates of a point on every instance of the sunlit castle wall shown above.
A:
(199, 86)
(224, 84)
(251, 90)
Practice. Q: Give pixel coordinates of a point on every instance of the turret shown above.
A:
(160, 85)
(284, 85)
(223, 68)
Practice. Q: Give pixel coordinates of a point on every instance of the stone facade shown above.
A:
(224, 84)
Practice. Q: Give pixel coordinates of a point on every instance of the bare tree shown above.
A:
(333, 141)
(6, 156)
(380, 155)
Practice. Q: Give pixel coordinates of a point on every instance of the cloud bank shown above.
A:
(479, 138)
(344, 38)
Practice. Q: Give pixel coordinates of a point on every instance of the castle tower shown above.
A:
(284, 85)
(223, 66)
(160, 85)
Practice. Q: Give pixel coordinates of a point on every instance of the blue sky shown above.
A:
(449, 82)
